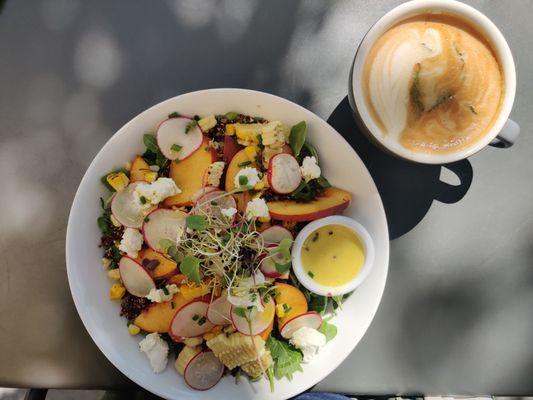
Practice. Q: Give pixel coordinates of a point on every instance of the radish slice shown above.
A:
(284, 174)
(125, 208)
(213, 203)
(172, 132)
(202, 191)
(219, 310)
(310, 319)
(203, 371)
(259, 322)
(190, 321)
(163, 224)
(268, 263)
(275, 234)
(135, 278)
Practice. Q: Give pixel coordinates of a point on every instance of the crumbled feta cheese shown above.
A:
(215, 145)
(156, 349)
(274, 134)
(229, 212)
(257, 208)
(114, 221)
(214, 173)
(310, 169)
(131, 242)
(309, 341)
(159, 295)
(249, 177)
(148, 194)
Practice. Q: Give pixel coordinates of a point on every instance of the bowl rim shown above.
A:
(70, 260)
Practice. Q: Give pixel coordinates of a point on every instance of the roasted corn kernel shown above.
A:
(230, 129)
(280, 311)
(133, 329)
(193, 342)
(150, 176)
(253, 368)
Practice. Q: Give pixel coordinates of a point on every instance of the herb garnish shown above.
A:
(176, 147)
(244, 163)
(191, 125)
(310, 274)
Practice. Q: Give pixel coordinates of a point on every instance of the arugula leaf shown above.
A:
(329, 330)
(190, 267)
(196, 222)
(297, 137)
(309, 150)
(240, 311)
(318, 303)
(323, 182)
(104, 223)
(150, 142)
(287, 360)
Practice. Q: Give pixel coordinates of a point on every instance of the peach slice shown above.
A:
(157, 317)
(166, 267)
(293, 298)
(232, 171)
(331, 201)
(189, 174)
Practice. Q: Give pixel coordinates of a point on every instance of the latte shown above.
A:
(433, 83)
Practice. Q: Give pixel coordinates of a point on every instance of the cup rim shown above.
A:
(416, 7)
(329, 291)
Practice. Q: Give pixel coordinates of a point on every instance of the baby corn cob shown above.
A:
(253, 368)
(184, 357)
(236, 349)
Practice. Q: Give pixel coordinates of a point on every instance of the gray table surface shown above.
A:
(456, 317)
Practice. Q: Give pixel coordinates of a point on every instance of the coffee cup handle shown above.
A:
(507, 135)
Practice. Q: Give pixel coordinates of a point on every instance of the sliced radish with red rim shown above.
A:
(203, 371)
(284, 174)
(190, 321)
(310, 319)
(275, 234)
(178, 138)
(274, 264)
(202, 191)
(219, 310)
(213, 202)
(135, 278)
(163, 224)
(125, 208)
(258, 322)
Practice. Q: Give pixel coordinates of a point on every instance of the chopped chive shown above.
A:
(201, 321)
(176, 147)
(147, 219)
(195, 317)
(172, 305)
(173, 115)
(191, 125)
(165, 291)
(214, 203)
(310, 274)
(472, 109)
(244, 163)
(330, 233)
(207, 148)
(315, 237)
(143, 200)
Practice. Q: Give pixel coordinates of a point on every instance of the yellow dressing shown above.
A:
(333, 255)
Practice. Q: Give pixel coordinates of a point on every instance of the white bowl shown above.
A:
(90, 286)
(309, 282)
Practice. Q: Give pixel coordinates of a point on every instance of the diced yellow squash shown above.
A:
(118, 181)
(113, 274)
(207, 123)
(230, 129)
(117, 291)
(133, 329)
(248, 134)
(280, 311)
(251, 152)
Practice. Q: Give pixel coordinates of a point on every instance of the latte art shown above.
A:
(433, 84)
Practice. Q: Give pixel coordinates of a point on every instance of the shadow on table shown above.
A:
(407, 189)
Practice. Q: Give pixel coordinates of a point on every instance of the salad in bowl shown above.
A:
(197, 237)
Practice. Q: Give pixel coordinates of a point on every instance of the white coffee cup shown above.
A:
(503, 132)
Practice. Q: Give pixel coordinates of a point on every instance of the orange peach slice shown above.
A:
(157, 317)
(166, 267)
(189, 174)
(232, 171)
(293, 298)
(331, 201)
